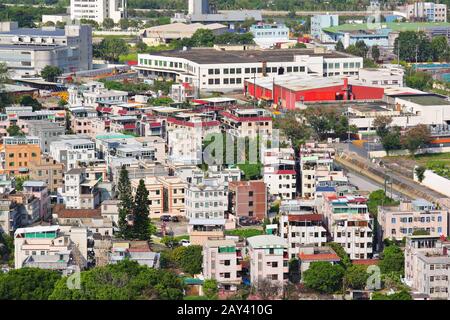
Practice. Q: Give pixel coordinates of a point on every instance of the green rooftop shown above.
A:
(113, 136)
(395, 26)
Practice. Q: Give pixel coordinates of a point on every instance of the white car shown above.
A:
(185, 243)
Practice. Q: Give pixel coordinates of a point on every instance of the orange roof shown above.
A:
(366, 262)
(319, 257)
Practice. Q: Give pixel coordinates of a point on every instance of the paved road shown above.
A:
(365, 184)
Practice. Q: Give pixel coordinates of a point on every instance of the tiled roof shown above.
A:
(319, 257)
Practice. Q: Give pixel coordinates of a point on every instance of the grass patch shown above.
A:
(244, 233)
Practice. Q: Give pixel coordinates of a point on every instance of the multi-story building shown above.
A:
(279, 172)
(397, 222)
(93, 93)
(78, 191)
(48, 170)
(26, 51)
(38, 190)
(98, 10)
(52, 247)
(249, 123)
(350, 224)
(185, 135)
(222, 261)
(269, 35)
(426, 11)
(70, 150)
(221, 69)
(427, 263)
(301, 226)
(206, 204)
(8, 216)
(46, 132)
(318, 22)
(17, 153)
(268, 259)
(247, 199)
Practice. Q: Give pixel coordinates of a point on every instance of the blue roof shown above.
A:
(325, 189)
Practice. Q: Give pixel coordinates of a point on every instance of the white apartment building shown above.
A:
(427, 269)
(79, 192)
(301, 226)
(52, 247)
(427, 11)
(71, 150)
(26, 51)
(279, 172)
(387, 76)
(222, 262)
(98, 10)
(193, 174)
(185, 135)
(350, 224)
(268, 259)
(218, 69)
(206, 204)
(93, 93)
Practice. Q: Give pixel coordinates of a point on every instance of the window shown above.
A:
(210, 71)
(393, 220)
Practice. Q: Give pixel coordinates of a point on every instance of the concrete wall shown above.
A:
(435, 182)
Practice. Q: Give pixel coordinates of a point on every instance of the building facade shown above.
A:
(98, 10)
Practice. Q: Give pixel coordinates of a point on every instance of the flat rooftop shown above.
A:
(395, 26)
(427, 100)
(214, 56)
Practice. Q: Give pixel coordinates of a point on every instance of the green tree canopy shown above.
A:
(356, 276)
(324, 277)
(29, 101)
(126, 280)
(112, 48)
(392, 260)
(141, 220)
(189, 259)
(210, 289)
(14, 130)
(50, 73)
(27, 284)
(415, 138)
(108, 23)
(126, 204)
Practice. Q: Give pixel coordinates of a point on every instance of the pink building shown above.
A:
(403, 220)
(38, 189)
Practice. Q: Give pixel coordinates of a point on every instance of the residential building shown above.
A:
(387, 76)
(310, 254)
(9, 216)
(244, 122)
(427, 266)
(98, 10)
(319, 22)
(94, 93)
(222, 261)
(18, 152)
(350, 224)
(397, 222)
(79, 191)
(227, 70)
(206, 204)
(138, 251)
(47, 132)
(48, 170)
(70, 150)
(279, 172)
(247, 199)
(27, 51)
(301, 225)
(38, 189)
(110, 209)
(268, 259)
(426, 11)
(52, 247)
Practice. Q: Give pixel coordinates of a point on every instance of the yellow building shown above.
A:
(18, 152)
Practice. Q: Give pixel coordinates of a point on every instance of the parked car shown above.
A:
(185, 242)
(165, 218)
(175, 219)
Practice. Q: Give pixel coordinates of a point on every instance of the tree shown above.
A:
(189, 259)
(112, 48)
(5, 97)
(419, 80)
(414, 46)
(415, 138)
(294, 270)
(379, 198)
(324, 277)
(124, 24)
(391, 141)
(203, 38)
(27, 284)
(210, 289)
(420, 173)
(29, 101)
(126, 205)
(14, 130)
(108, 23)
(126, 280)
(392, 260)
(267, 289)
(141, 220)
(19, 182)
(50, 73)
(375, 52)
(356, 277)
(381, 125)
(94, 24)
(340, 46)
(401, 295)
(296, 132)
(440, 48)
(141, 47)
(169, 241)
(340, 251)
